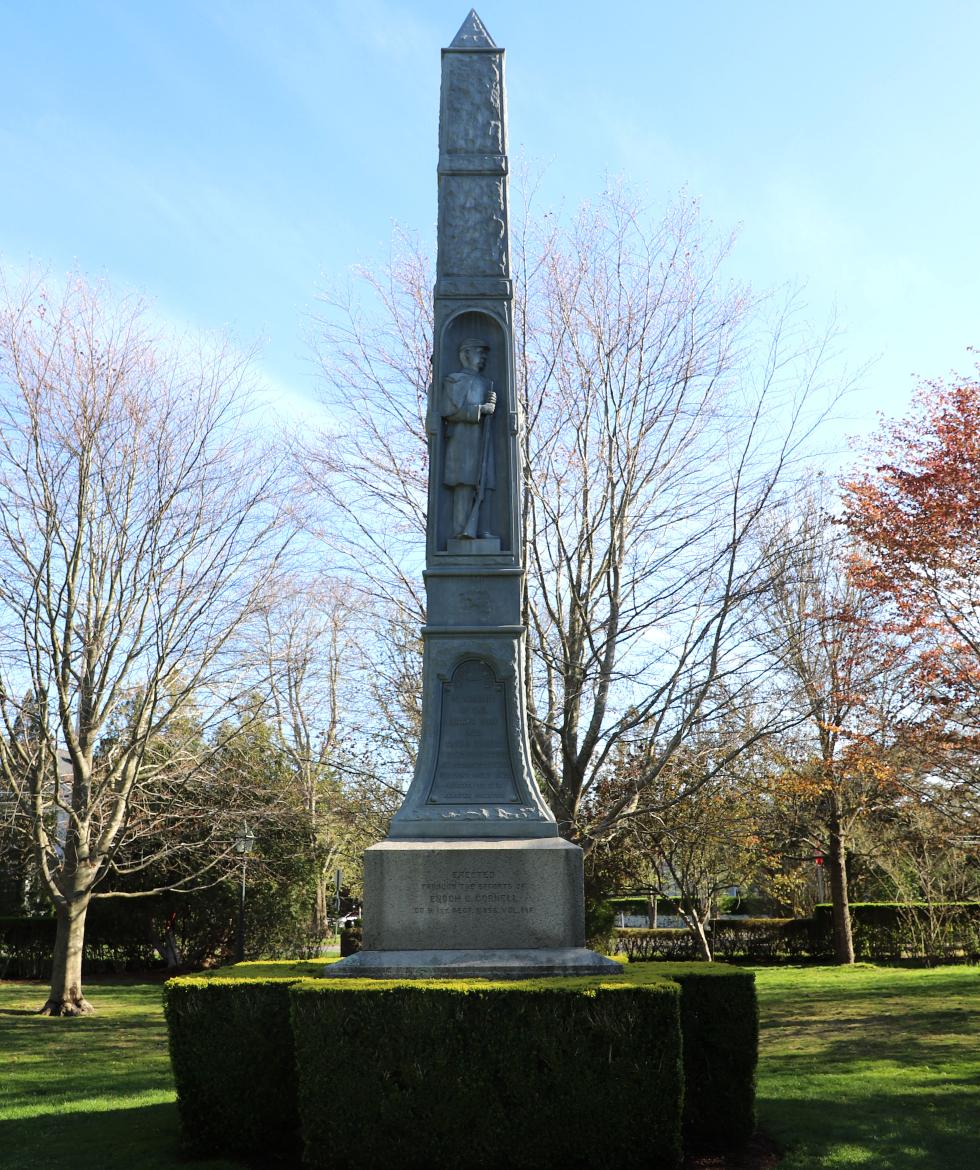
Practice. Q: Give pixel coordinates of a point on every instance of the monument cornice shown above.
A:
(509, 631)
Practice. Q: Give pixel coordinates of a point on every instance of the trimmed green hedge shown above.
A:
(231, 1048)
(115, 941)
(885, 931)
(481, 1076)
(26, 946)
(882, 931)
(641, 944)
(576, 1067)
(720, 1029)
(752, 939)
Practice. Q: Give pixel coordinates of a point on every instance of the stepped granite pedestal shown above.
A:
(473, 878)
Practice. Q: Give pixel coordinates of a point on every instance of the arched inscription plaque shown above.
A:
(474, 763)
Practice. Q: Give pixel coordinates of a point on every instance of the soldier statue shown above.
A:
(468, 402)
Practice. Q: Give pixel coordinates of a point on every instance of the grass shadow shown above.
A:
(111, 1139)
(871, 1068)
(878, 1132)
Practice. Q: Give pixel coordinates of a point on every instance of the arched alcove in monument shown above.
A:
(471, 324)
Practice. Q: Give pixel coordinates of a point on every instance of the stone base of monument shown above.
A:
(474, 964)
(472, 908)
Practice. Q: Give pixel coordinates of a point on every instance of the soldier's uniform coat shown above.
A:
(463, 394)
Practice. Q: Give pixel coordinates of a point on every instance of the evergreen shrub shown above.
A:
(26, 946)
(641, 944)
(114, 943)
(600, 922)
(882, 932)
(477, 1075)
(232, 1054)
(761, 939)
(720, 1030)
(751, 939)
(351, 940)
(548, 1072)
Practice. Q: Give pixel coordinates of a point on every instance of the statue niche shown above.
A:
(469, 414)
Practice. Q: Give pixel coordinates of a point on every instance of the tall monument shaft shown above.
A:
(473, 878)
(474, 775)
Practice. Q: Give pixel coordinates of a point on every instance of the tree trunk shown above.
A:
(696, 925)
(840, 907)
(321, 909)
(66, 998)
(703, 943)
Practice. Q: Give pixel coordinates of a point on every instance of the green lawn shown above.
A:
(871, 1068)
(93, 1093)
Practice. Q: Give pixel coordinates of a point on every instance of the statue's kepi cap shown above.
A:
(473, 343)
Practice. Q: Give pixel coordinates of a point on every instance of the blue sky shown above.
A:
(227, 156)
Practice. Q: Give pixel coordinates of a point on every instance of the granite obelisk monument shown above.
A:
(473, 878)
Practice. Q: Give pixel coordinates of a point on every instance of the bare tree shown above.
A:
(140, 532)
(310, 645)
(661, 415)
(657, 435)
(931, 865)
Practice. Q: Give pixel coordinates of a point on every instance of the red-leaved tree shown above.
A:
(915, 511)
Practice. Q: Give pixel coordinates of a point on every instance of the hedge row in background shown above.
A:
(883, 931)
(754, 939)
(114, 943)
(560, 1072)
(133, 934)
(749, 905)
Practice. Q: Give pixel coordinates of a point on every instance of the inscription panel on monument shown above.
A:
(474, 763)
(481, 893)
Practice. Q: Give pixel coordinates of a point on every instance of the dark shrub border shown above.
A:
(886, 931)
(115, 941)
(231, 1048)
(883, 932)
(414, 1046)
(720, 1029)
(481, 1076)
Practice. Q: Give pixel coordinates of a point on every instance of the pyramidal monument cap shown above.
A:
(473, 34)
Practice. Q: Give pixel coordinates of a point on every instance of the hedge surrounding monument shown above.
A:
(720, 1031)
(480, 1077)
(231, 1047)
(493, 1072)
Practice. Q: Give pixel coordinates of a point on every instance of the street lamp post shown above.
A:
(243, 845)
